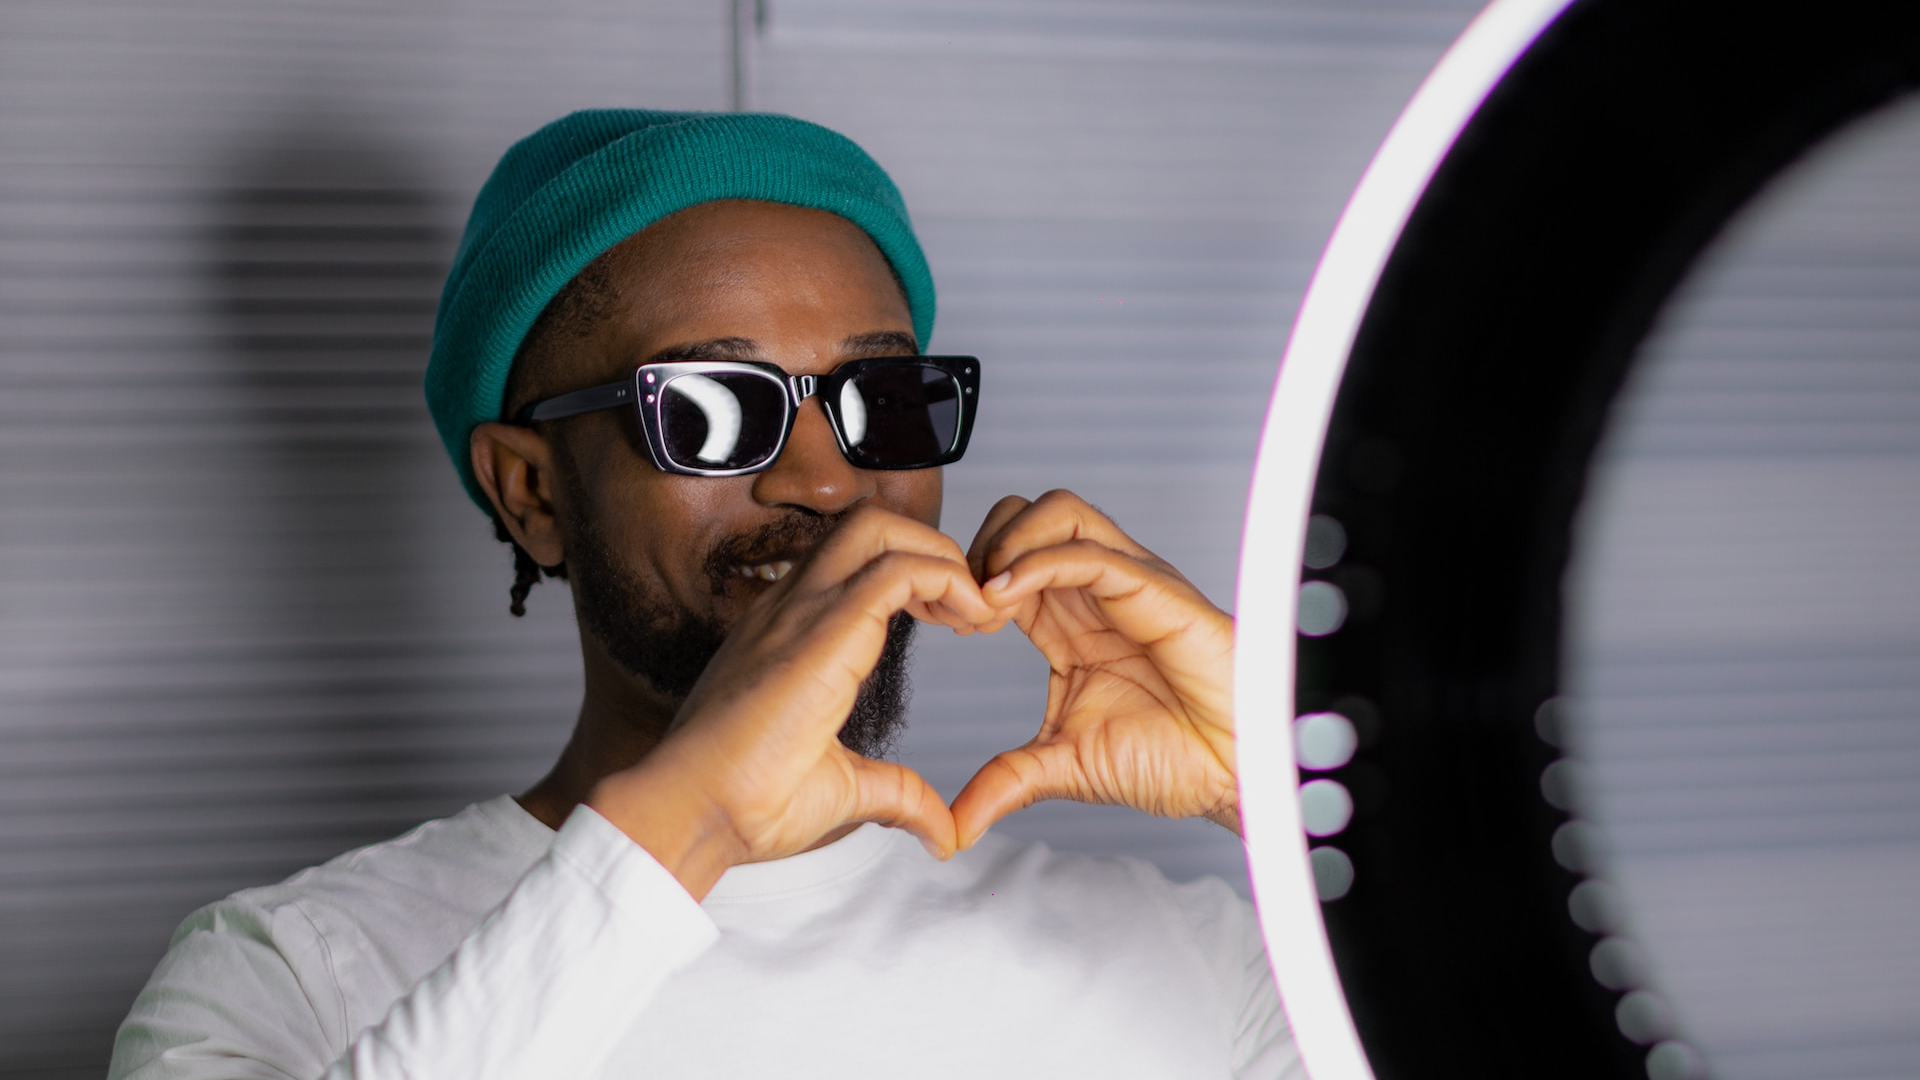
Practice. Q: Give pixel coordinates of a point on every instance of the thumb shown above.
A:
(1013, 780)
(897, 797)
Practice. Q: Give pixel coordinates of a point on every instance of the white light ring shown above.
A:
(1282, 492)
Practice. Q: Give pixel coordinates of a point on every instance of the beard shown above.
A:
(668, 647)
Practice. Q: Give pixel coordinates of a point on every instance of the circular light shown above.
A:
(1574, 846)
(1323, 607)
(1643, 1017)
(1324, 740)
(1550, 722)
(1287, 877)
(1332, 872)
(1673, 1060)
(1326, 542)
(1616, 963)
(1473, 637)
(1560, 784)
(1594, 907)
(1325, 807)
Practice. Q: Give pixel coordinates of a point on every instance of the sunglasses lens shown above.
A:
(899, 415)
(722, 420)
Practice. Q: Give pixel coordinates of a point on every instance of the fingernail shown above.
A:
(1000, 581)
(933, 849)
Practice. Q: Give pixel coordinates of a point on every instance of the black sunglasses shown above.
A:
(732, 417)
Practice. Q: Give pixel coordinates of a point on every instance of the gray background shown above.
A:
(247, 619)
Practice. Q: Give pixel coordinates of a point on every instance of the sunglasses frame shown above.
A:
(639, 390)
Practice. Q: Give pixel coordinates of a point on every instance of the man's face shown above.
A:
(662, 565)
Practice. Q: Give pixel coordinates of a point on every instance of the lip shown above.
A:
(788, 540)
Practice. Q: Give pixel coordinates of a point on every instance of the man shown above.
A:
(678, 356)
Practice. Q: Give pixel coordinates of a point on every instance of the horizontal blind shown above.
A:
(250, 620)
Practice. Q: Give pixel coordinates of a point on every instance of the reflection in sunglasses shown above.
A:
(853, 413)
(721, 410)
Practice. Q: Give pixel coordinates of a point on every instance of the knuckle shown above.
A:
(949, 547)
(895, 566)
(892, 563)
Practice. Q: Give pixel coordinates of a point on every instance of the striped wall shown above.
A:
(247, 620)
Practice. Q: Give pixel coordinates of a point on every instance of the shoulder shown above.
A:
(459, 864)
(358, 929)
(322, 954)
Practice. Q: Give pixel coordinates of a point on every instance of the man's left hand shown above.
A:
(1140, 687)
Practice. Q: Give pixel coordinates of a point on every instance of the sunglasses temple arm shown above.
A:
(592, 399)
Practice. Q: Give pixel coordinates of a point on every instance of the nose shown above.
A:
(810, 472)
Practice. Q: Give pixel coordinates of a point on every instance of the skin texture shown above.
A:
(747, 765)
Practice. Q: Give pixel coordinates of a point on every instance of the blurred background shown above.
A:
(248, 620)
(1743, 644)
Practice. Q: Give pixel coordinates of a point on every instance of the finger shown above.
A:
(834, 646)
(929, 587)
(1013, 780)
(805, 657)
(1003, 512)
(942, 615)
(899, 798)
(1145, 602)
(867, 535)
(847, 619)
(1056, 517)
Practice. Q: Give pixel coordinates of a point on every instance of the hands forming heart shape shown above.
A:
(1140, 669)
(1139, 692)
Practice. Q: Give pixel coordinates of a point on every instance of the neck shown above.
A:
(621, 720)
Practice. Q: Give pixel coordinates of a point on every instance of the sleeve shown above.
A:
(1228, 932)
(544, 987)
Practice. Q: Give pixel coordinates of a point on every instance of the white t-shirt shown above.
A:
(485, 946)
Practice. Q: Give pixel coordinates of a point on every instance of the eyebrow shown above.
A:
(726, 348)
(875, 343)
(881, 343)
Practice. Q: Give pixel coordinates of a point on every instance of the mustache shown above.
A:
(785, 538)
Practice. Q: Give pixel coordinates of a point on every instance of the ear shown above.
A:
(515, 468)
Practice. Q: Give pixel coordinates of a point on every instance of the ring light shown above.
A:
(1446, 384)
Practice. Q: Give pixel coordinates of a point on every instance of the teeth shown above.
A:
(772, 571)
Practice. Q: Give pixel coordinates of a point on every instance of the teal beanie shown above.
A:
(587, 181)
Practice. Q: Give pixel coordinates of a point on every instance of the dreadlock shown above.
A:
(570, 316)
(526, 572)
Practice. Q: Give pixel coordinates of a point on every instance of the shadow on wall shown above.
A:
(326, 260)
(286, 711)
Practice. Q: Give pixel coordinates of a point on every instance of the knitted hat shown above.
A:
(587, 181)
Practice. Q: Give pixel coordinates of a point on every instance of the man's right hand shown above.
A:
(752, 768)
